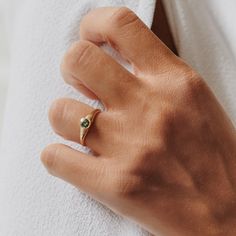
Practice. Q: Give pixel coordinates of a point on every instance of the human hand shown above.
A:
(164, 149)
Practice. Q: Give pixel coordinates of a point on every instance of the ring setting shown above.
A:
(85, 124)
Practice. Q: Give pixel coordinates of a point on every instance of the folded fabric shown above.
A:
(33, 203)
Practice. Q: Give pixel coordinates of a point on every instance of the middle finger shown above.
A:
(86, 64)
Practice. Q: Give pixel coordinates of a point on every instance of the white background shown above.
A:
(4, 55)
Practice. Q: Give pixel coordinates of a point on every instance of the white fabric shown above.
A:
(32, 203)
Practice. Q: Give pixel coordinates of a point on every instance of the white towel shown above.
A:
(33, 203)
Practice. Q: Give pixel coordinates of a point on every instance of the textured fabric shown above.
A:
(33, 203)
(205, 36)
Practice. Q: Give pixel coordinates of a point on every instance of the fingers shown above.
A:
(86, 64)
(65, 115)
(125, 32)
(81, 170)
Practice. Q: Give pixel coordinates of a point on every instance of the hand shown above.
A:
(164, 149)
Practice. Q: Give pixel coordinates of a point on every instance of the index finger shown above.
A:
(125, 32)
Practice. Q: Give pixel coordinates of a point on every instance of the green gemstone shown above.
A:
(85, 123)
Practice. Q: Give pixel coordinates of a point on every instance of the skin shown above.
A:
(164, 150)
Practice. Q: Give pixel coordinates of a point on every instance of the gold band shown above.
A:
(85, 124)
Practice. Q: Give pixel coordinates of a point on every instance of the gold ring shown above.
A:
(85, 124)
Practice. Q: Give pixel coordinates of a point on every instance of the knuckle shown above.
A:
(122, 17)
(128, 186)
(76, 56)
(143, 163)
(192, 87)
(134, 178)
(57, 112)
(48, 156)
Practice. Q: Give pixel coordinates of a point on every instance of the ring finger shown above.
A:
(65, 115)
